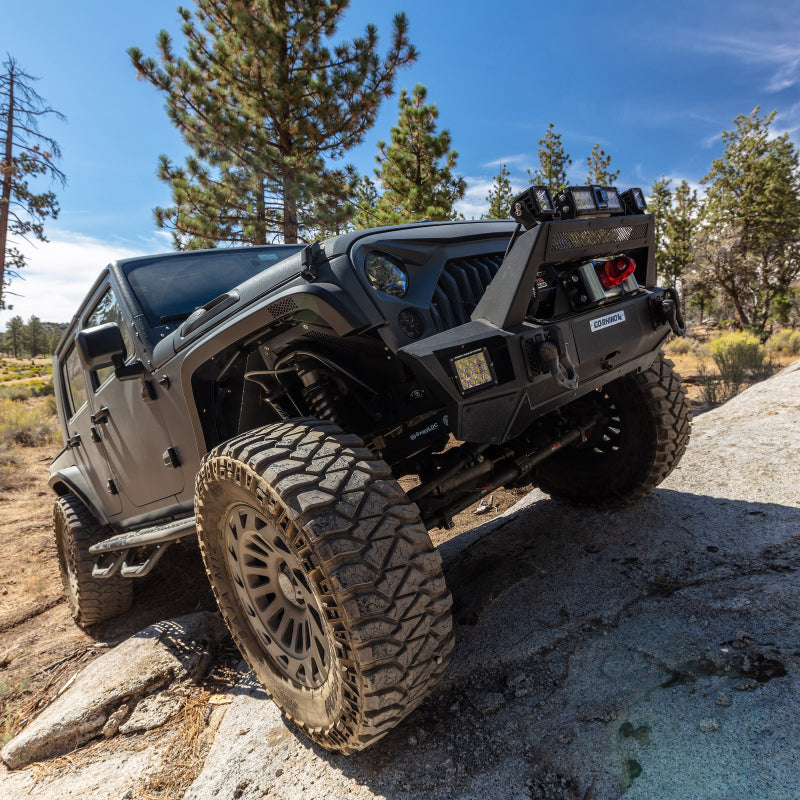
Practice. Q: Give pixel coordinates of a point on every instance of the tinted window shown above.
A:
(170, 288)
(107, 310)
(73, 381)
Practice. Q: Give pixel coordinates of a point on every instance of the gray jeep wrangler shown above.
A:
(266, 400)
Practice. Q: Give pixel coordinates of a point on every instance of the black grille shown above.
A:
(461, 284)
(568, 240)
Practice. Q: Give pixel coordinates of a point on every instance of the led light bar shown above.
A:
(473, 370)
(536, 204)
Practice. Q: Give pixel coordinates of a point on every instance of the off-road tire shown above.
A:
(647, 428)
(91, 600)
(307, 499)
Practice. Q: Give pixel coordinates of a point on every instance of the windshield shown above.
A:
(169, 288)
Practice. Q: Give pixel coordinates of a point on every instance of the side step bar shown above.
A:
(122, 544)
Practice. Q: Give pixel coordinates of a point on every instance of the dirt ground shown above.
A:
(41, 648)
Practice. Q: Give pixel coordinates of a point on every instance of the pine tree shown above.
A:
(53, 338)
(750, 244)
(415, 184)
(598, 164)
(26, 154)
(15, 334)
(35, 337)
(365, 201)
(680, 223)
(266, 105)
(500, 196)
(553, 162)
(659, 204)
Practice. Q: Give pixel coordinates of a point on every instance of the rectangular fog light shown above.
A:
(473, 370)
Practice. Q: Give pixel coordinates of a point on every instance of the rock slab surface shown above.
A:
(109, 688)
(650, 652)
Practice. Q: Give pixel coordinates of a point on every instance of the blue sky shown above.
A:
(654, 83)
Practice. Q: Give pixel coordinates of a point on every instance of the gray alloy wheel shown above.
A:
(326, 578)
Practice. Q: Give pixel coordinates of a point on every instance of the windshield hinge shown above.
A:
(309, 258)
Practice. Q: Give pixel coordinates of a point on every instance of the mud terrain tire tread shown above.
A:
(659, 412)
(367, 557)
(91, 600)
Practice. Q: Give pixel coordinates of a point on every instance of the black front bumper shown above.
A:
(603, 343)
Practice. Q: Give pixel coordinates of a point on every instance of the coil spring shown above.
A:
(317, 394)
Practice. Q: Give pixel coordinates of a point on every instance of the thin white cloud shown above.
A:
(61, 271)
(521, 160)
(781, 56)
(788, 121)
(710, 141)
(474, 205)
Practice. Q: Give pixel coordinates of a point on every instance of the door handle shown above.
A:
(101, 417)
(74, 441)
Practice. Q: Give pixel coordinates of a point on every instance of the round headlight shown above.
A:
(385, 275)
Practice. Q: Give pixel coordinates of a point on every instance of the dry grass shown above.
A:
(184, 753)
(29, 423)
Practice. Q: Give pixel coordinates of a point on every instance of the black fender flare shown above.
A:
(70, 481)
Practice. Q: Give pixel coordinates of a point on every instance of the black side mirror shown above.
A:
(103, 346)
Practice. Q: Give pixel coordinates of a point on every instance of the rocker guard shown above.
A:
(524, 389)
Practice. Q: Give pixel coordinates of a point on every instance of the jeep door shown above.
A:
(83, 438)
(137, 442)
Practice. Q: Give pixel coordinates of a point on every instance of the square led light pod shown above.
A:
(473, 370)
(533, 205)
(634, 201)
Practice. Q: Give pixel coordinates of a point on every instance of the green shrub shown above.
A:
(785, 341)
(50, 405)
(680, 346)
(741, 357)
(740, 360)
(42, 388)
(18, 393)
(26, 424)
(779, 340)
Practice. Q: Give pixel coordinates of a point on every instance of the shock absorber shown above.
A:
(316, 392)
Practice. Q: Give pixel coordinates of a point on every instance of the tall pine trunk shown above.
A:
(5, 197)
(289, 216)
(261, 211)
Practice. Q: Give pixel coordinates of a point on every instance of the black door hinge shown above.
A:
(95, 434)
(111, 487)
(148, 391)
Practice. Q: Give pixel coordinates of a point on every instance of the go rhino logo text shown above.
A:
(606, 322)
